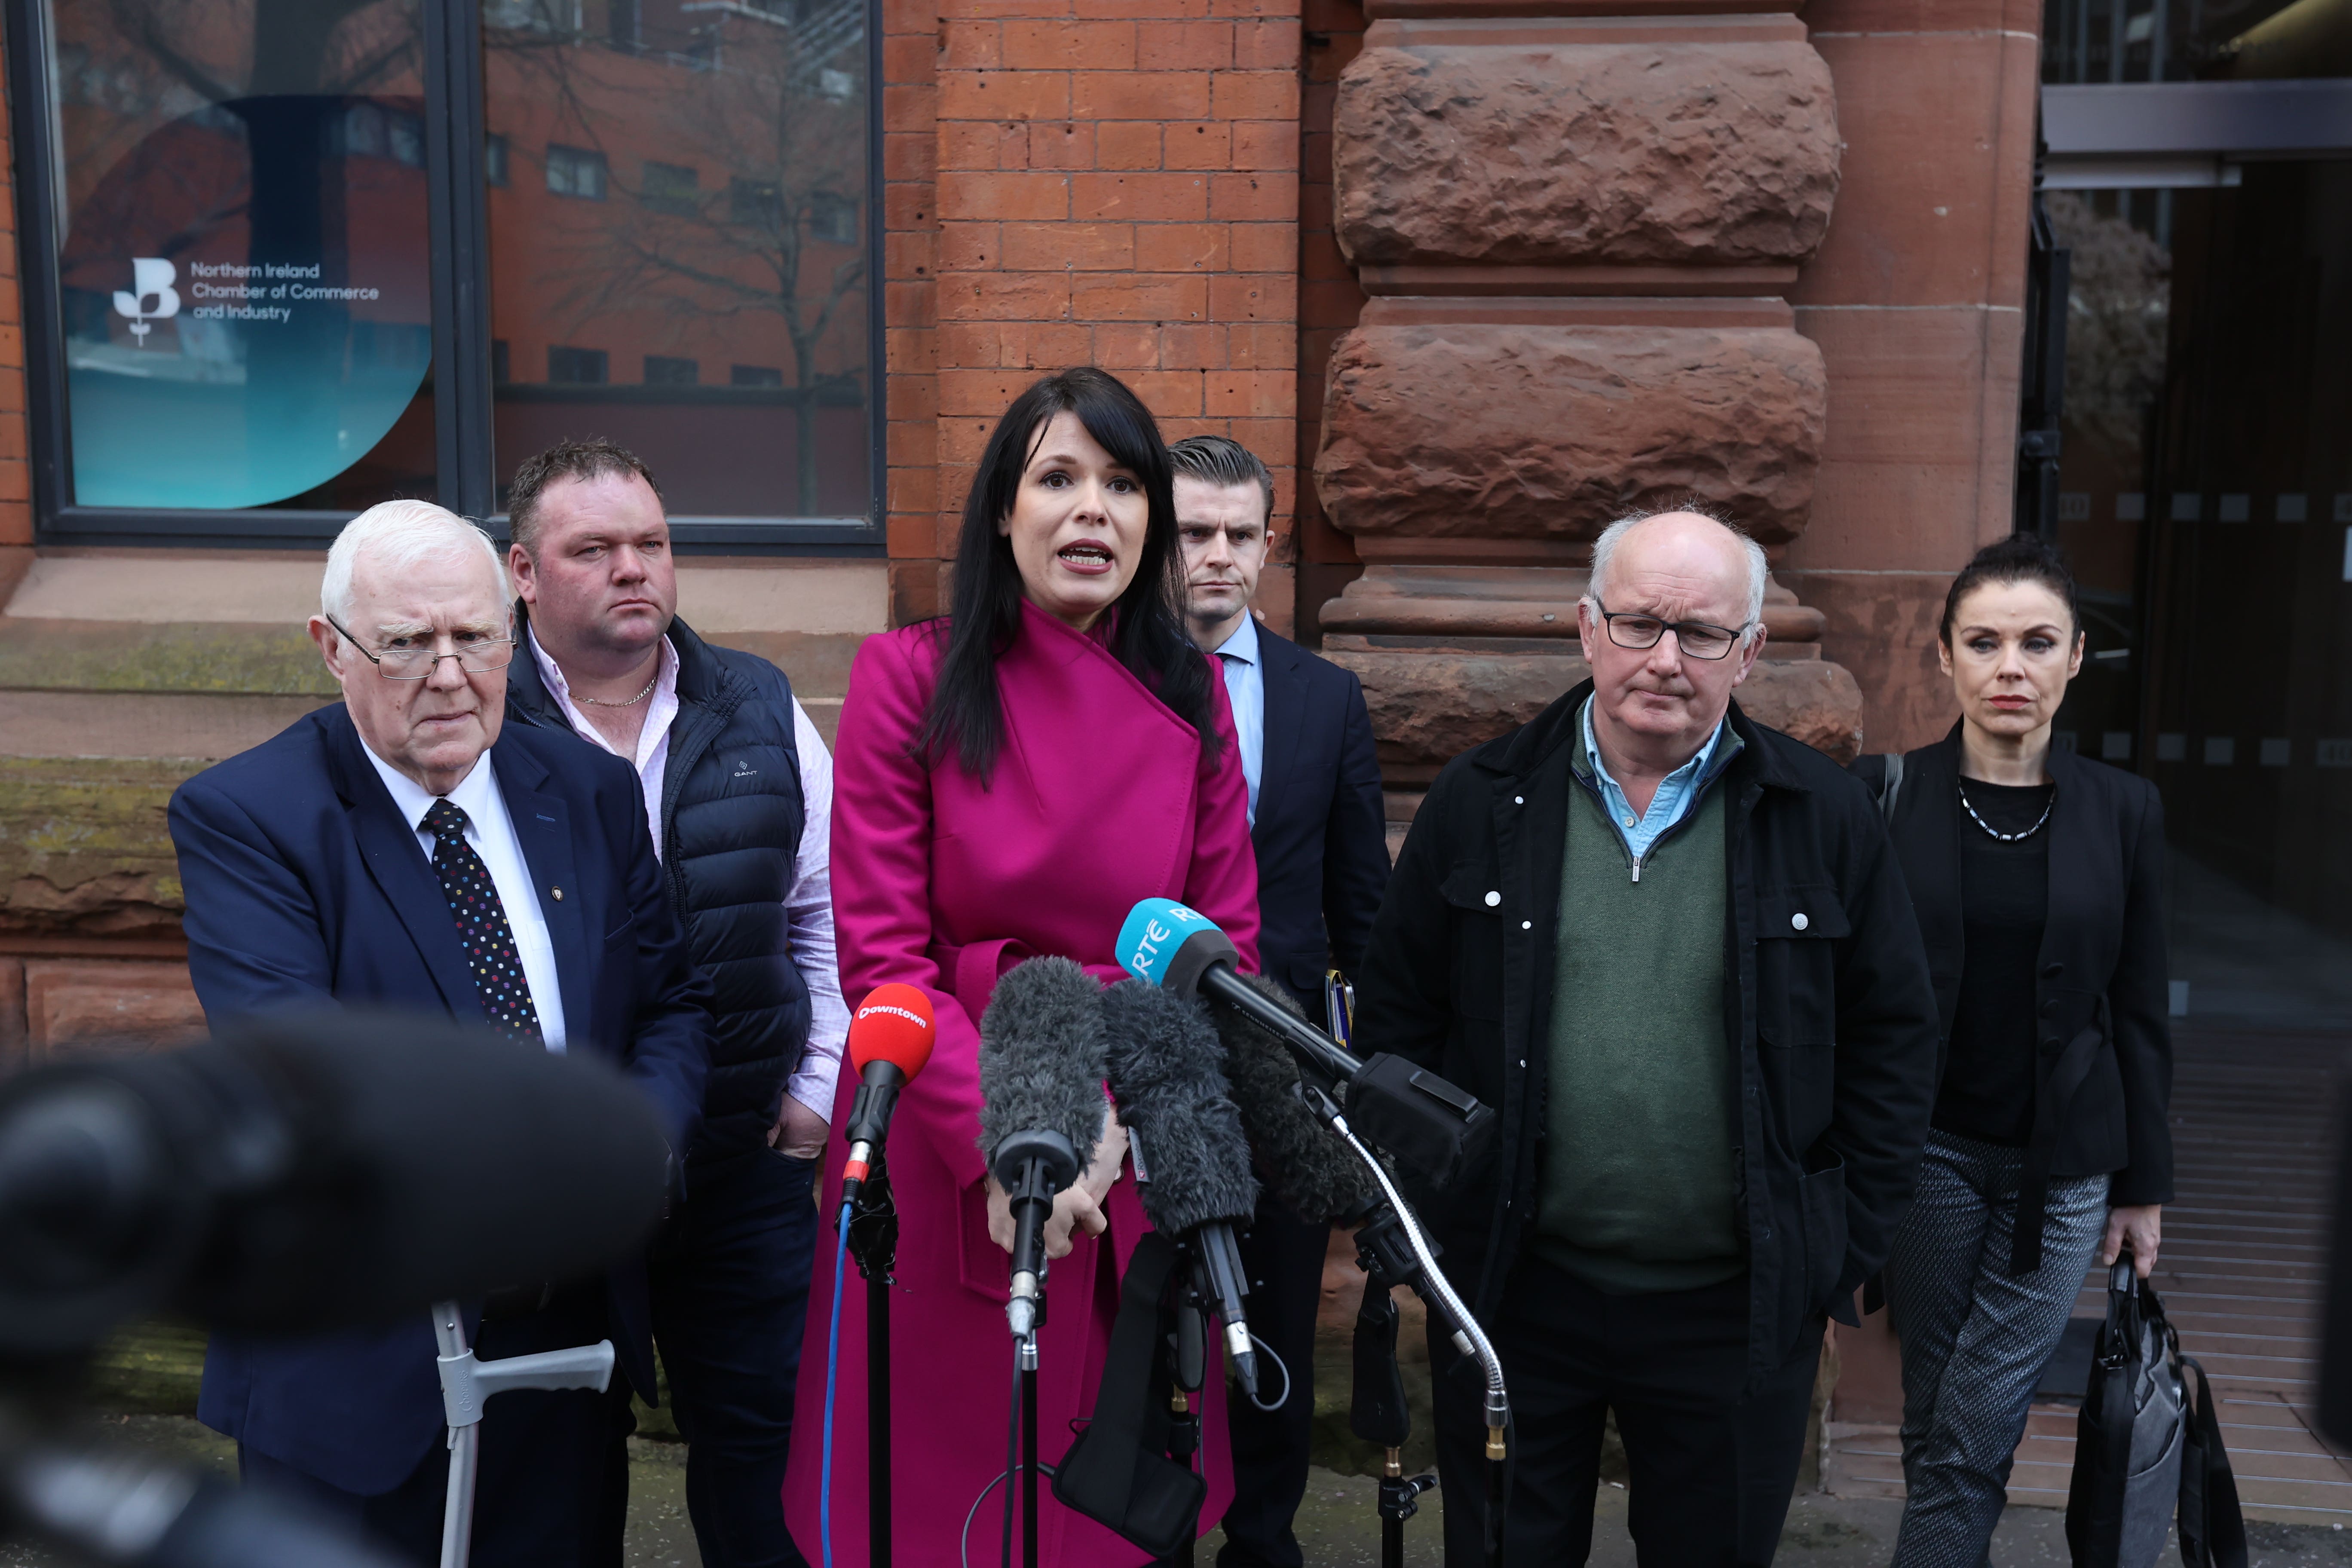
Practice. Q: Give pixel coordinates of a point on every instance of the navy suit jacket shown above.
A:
(305, 888)
(1321, 833)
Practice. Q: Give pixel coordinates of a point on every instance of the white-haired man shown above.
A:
(1672, 947)
(405, 850)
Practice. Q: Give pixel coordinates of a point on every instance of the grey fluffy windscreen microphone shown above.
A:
(1306, 1163)
(1166, 1070)
(1041, 1104)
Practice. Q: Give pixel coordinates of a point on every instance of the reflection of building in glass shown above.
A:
(726, 188)
(668, 186)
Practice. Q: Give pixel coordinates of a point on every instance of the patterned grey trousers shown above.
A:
(1974, 1337)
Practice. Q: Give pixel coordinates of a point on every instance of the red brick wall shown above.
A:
(1110, 182)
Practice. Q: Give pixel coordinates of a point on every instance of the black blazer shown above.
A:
(1321, 833)
(2104, 1076)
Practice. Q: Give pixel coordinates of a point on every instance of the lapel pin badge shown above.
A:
(557, 892)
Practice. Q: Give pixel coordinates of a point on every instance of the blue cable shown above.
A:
(832, 1379)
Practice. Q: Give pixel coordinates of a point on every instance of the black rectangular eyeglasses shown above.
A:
(1699, 639)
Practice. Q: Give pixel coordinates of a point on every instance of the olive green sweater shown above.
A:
(1637, 1183)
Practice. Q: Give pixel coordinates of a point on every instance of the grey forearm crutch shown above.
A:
(467, 1383)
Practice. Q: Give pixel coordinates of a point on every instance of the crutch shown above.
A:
(467, 1383)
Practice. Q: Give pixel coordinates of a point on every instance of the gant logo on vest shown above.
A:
(744, 770)
(151, 278)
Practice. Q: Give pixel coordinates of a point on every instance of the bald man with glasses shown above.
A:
(1672, 948)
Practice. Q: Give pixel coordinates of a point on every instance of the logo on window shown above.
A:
(150, 298)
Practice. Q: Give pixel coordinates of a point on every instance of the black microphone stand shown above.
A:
(1392, 1251)
(1031, 1167)
(1377, 1412)
(1187, 1353)
(874, 1242)
(1029, 1447)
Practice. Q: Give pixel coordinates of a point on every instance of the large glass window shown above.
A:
(288, 257)
(689, 277)
(241, 253)
(2206, 499)
(2088, 41)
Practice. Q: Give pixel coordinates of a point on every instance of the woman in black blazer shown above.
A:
(2036, 878)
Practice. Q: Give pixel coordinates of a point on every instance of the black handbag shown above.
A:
(2144, 1452)
(2129, 1438)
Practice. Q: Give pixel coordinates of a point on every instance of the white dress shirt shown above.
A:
(1238, 657)
(808, 906)
(491, 831)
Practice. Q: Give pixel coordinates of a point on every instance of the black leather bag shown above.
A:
(2145, 1453)
(2129, 1438)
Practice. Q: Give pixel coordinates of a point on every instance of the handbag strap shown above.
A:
(2213, 1525)
(1123, 1403)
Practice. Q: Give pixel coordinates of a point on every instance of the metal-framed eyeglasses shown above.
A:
(1629, 628)
(417, 660)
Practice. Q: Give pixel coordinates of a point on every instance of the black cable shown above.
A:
(963, 1540)
(1012, 1454)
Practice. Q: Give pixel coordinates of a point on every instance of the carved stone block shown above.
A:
(1527, 432)
(1534, 153)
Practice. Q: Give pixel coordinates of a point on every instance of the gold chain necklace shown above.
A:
(632, 702)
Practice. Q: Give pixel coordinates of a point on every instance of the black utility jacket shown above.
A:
(2102, 1069)
(1826, 1004)
(731, 815)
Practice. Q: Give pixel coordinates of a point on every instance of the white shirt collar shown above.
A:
(661, 707)
(1242, 644)
(472, 795)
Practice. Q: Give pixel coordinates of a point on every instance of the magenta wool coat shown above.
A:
(1101, 797)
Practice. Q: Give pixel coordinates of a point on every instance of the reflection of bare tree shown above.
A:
(287, 69)
(2117, 323)
(755, 244)
(222, 50)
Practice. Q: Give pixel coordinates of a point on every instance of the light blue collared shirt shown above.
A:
(1678, 793)
(1245, 688)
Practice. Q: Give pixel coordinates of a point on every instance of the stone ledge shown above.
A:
(1428, 707)
(85, 848)
(1453, 602)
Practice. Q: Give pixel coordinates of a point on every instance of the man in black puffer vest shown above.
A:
(739, 790)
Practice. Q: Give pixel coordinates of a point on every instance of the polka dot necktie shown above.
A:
(482, 929)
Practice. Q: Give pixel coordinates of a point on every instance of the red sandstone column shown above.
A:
(1578, 231)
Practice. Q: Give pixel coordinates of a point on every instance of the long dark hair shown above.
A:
(1147, 635)
(2019, 558)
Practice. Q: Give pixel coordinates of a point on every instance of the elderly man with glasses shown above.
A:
(405, 850)
(1672, 947)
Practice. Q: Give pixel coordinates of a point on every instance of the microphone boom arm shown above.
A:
(1429, 1282)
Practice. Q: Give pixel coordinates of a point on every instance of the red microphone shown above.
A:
(890, 1037)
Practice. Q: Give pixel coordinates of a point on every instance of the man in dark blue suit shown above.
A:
(400, 852)
(1322, 834)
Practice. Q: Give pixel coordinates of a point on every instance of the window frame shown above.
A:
(458, 207)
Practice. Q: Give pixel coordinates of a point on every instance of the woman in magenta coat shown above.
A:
(1010, 783)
